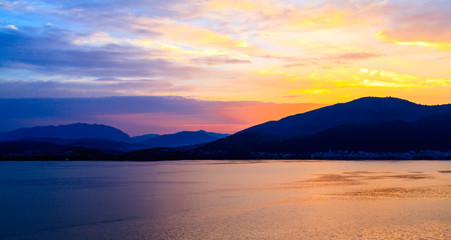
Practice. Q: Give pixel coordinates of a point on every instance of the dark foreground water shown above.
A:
(226, 200)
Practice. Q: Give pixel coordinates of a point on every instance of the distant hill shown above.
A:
(182, 139)
(142, 138)
(71, 131)
(367, 110)
(57, 140)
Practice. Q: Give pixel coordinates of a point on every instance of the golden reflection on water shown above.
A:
(315, 200)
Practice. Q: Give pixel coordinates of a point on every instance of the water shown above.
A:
(226, 200)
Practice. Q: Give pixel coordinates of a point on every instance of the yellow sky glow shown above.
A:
(290, 52)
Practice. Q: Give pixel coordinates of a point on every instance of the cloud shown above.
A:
(192, 35)
(331, 59)
(110, 16)
(98, 38)
(51, 52)
(281, 16)
(424, 23)
(96, 88)
(219, 60)
(10, 26)
(220, 49)
(377, 83)
(354, 56)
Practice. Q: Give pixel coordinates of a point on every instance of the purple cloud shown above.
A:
(98, 88)
(218, 60)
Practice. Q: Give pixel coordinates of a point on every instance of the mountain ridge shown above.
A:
(365, 128)
(367, 110)
(101, 136)
(432, 133)
(183, 138)
(68, 131)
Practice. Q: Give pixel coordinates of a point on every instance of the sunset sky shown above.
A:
(221, 65)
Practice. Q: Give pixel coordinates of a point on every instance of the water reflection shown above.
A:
(226, 200)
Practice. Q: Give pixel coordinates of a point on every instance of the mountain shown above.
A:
(240, 142)
(366, 128)
(142, 138)
(90, 143)
(182, 139)
(367, 110)
(366, 124)
(217, 135)
(81, 136)
(71, 131)
(430, 133)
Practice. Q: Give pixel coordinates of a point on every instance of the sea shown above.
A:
(268, 199)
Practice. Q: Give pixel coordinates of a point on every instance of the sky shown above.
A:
(220, 65)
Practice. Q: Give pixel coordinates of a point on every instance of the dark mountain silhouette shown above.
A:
(71, 131)
(366, 128)
(92, 143)
(218, 135)
(142, 138)
(182, 138)
(367, 124)
(32, 150)
(102, 149)
(240, 142)
(367, 110)
(98, 136)
(430, 133)
(426, 138)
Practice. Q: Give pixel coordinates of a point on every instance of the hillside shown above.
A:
(367, 124)
(367, 110)
(70, 131)
(182, 139)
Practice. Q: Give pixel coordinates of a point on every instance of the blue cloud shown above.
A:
(50, 52)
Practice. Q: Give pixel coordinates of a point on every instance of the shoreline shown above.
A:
(231, 160)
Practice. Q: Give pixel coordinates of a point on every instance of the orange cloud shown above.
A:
(390, 36)
(421, 24)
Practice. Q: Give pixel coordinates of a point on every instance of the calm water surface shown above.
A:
(226, 200)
